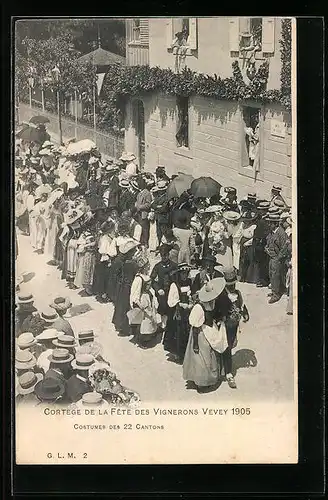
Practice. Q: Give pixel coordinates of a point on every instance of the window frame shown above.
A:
(193, 28)
(137, 42)
(245, 170)
(184, 151)
(259, 55)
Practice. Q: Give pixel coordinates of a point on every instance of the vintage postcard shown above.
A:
(155, 229)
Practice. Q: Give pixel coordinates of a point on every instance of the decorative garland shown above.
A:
(286, 57)
(122, 82)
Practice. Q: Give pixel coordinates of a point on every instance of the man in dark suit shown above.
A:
(261, 258)
(276, 242)
(78, 384)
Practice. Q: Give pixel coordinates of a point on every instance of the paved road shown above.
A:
(268, 334)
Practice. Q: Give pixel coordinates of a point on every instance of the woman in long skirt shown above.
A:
(125, 274)
(246, 262)
(206, 338)
(180, 303)
(86, 260)
(69, 238)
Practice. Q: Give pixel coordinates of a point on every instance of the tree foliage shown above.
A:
(42, 56)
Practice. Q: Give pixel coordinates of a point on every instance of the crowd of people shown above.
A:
(92, 219)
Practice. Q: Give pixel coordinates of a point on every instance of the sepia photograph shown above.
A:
(155, 214)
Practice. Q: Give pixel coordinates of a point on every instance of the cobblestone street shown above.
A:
(266, 341)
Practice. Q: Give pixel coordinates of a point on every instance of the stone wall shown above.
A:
(216, 134)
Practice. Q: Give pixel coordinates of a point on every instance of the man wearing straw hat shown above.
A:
(25, 388)
(276, 242)
(78, 384)
(60, 366)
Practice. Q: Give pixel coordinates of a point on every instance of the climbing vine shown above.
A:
(122, 82)
(286, 58)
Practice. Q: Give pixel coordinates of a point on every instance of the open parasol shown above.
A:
(179, 185)
(29, 134)
(205, 187)
(84, 146)
(39, 119)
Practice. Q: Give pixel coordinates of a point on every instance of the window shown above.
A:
(139, 32)
(250, 154)
(251, 34)
(182, 135)
(182, 32)
(136, 30)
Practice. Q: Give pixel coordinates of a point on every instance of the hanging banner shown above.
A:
(100, 79)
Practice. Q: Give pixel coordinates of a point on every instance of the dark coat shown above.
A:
(75, 388)
(275, 243)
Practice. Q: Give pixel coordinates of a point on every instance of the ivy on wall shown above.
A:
(286, 61)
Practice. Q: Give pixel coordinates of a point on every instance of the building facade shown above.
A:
(246, 145)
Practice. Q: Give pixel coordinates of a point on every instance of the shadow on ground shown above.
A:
(244, 358)
(79, 309)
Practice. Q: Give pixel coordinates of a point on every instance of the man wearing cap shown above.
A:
(276, 242)
(78, 384)
(261, 232)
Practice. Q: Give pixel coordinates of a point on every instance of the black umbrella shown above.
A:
(30, 134)
(39, 119)
(205, 187)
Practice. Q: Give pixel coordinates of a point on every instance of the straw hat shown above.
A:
(91, 347)
(48, 144)
(24, 360)
(90, 399)
(45, 152)
(127, 157)
(25, 298)
(181, 267)
(26, 340)
(211, 290)
(64, 340)
(262, 205)
(60, 356)
(127, 246)
(49, 315)
(61, 303)
(124, 183)
(27, 382)
(230, 215)
(86, 335)
(83, 362)
(213, 208)
(48, 334)
(49, 389)
(278, 203)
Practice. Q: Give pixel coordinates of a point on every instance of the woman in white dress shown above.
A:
(207, 337)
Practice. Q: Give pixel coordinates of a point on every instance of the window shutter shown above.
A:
(234, 34)
(144, 31)
(192, 39)
(244, 24)
(268, 34)
(169, 33)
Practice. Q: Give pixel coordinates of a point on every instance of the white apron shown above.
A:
(216, 336)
